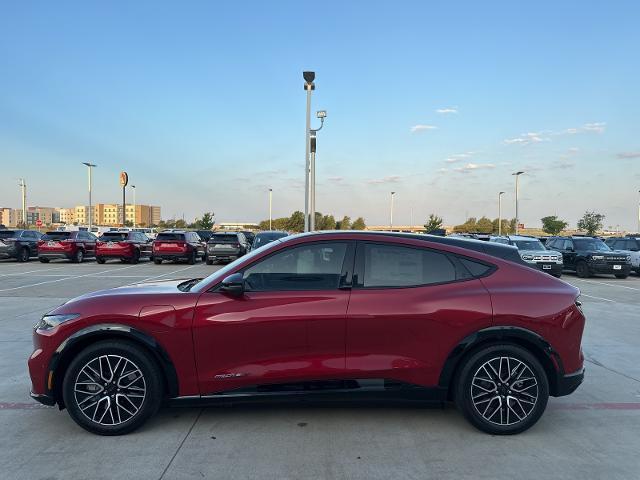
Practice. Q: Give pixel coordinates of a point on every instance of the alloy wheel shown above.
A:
(110, 390)
(504, 391)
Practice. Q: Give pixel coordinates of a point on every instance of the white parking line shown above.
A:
(31, 271)
(608, 284)
(69, 278)
(169, 273)
(598, 298)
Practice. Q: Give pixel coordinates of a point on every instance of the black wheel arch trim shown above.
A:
(538, 346)
(64, 353)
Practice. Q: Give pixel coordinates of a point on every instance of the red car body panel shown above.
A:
(218, 342)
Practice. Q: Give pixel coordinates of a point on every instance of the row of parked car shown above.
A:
(583, 255)
(131, 246)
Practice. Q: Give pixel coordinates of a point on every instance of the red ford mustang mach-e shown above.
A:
(340, 314)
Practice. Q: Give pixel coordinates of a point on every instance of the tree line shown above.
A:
(295, 223)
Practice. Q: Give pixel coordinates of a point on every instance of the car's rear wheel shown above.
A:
(23, 256)
(43, 260)
(157, 261)
(582, 270)
(100, 260)
(502, 389)
(136, 257)
(209, 261)
(78, 257)
(192, 258)
(112, 388)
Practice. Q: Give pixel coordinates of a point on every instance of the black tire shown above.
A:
(140, 364)
(157, 261)
(136, 257)
(557, 275)
(192, 258)
(622, 276)
(100, 260)
(209, 262)
(79, 256)
(582, 269)
(24, 254)
(43, 260)
(469, 387)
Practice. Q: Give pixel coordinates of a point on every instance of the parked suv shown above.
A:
(629, 245)
(19, 244)
(534, 253)
(74, 246)
(178, 245)
(127, 246)
(226, 246)
(589, 255)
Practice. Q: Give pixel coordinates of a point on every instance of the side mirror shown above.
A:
(233, 284)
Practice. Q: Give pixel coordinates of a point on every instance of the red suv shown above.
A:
(127, 246)
(351, 314)
(74, 246)
(178, 246)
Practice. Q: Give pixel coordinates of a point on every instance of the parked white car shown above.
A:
(629, 245)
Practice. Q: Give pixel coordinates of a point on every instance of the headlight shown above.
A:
(628, 258)
(527, 257)
(50, 321)
(597, 257)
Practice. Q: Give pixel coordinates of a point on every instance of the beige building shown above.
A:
(67, 215)
(111, 214)
(8, 217)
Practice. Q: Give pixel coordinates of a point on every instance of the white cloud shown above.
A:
(458, 156)
(388, 179)
(447, 110)
(597, 127)
(442, 170)
(527, 139)
(573, 150)
(627, 155)
(469, 167)
(421, 128)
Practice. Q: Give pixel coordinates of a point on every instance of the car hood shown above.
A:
(539, 252)
(148, 288)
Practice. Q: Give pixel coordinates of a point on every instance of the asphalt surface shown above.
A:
(592, 434)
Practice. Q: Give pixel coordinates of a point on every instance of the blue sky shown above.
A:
(202, 103)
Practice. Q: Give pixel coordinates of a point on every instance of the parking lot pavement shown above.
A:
(591, 434)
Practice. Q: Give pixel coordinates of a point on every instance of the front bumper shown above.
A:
(547, 267)
(44, 399)
(172, 256)
(567, 384)
(607, 268)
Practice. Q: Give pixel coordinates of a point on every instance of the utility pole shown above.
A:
(309, 86)
(517, 175)
(23, 188)
(134, 205)
(90, 167)
(391, 212)
(500, 213)
(270, 205)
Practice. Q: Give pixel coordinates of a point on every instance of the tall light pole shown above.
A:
(391, 212)
(270, 205)
(23, 192)
(639, 212)
(309, 86)
(89, 167)
(500, 213)
(322, 114)
(517, 175)
(134, 205)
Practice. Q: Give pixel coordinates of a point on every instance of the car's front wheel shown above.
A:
(112, 388)
(622, 275)
(582, 269)
(502, 389)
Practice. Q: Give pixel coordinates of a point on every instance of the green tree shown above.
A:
(358, 224)
(206, 222)
(512, 226)
(296, 222)
(433, 223)
(591, 222)
(328, 222)
(484, 225)
(468, 226)
(345, 223)
(128, 223)
(552, 225)
(180, 224)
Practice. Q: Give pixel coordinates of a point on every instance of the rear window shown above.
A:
(114, 237)
(224, 238)
(8, 233)
(264, 238)
(57, 235)
(170, 237)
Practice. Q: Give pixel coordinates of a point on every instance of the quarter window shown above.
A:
(397, 266)
(316, 266)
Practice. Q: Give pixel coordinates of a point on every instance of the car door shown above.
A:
(409, 307)
(31, 239)
(569, 253)
(289, 325)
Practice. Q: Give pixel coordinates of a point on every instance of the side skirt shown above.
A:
(331, 391)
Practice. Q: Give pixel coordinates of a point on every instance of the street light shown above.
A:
(322, 114)
(309, 77)
(270, 203)
(500, 213)
(134, 205)
(638, 211)
(391, 212)
(517, 175)
(89, 167)
(23, 191)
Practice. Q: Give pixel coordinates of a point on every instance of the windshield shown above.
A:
(56, 235)
(529, 245)
(591, 244)
(172, 237)
(220, 274)
(7, 233)
(263, 239)
(113, 237)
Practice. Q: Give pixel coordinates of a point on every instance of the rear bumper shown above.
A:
(567, 384)
(54, 255)
(113, 254)
(172, 256)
